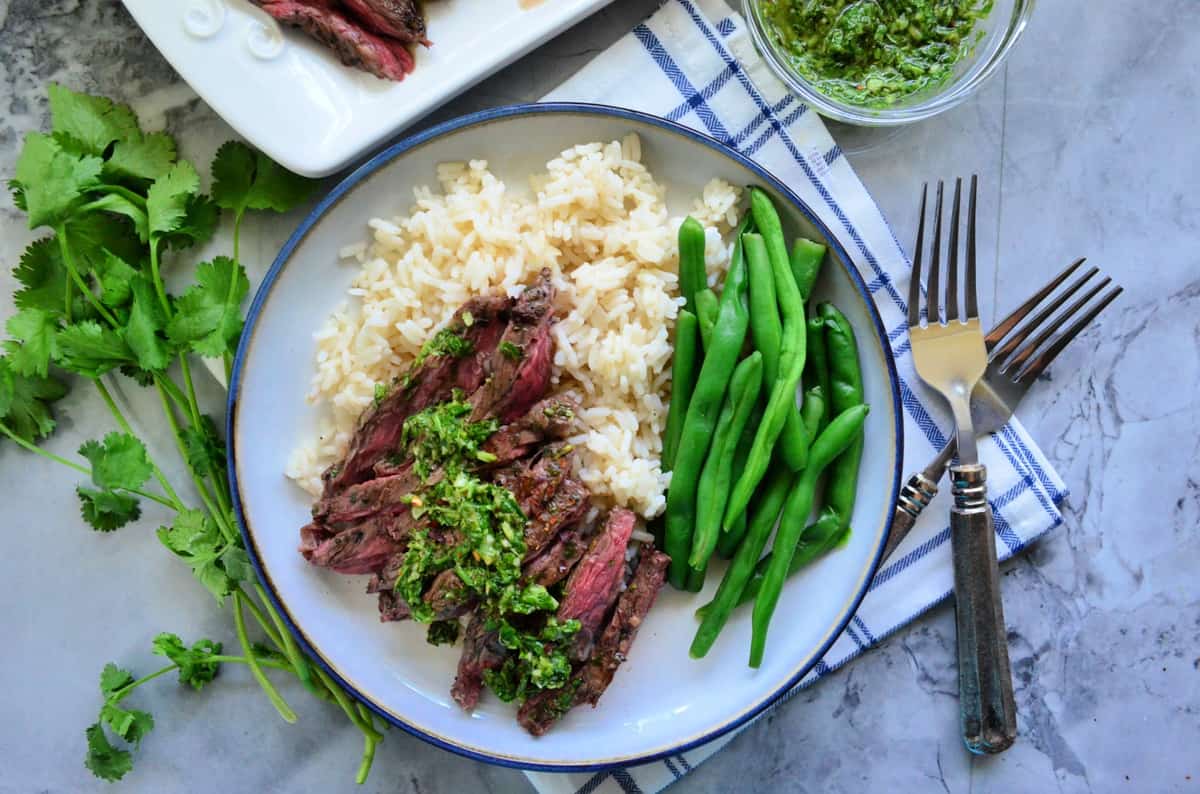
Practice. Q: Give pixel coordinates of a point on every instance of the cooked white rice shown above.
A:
(599, 221)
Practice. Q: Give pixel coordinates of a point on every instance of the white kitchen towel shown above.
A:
(693, 62)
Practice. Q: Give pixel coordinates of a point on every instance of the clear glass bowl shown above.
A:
(1001, 29)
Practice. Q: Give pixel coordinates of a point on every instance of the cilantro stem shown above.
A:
(303, 672)
(371, 739)
(233, 282)
(121, 693)
(124, 425)
(173, 391)
(125, 192)
(84, 470)
(157, 279)
(60, 233)
(252, 661)
(261, 619)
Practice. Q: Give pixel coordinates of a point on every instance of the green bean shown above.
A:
(707, 306)
(833, 439)
(683, 380)
(716, 478)
(695, 579)
(731, 537)
(767, 505)
(819, 537)
(807, 258)
(816, 365)
(728, 336)
(845, 391)
(766, 329)
(782, 401)
(693, 275)
(793, 440)
(812, 410)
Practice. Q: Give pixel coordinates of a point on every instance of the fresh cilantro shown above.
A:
(208, 316)
(195, 538)
(195, 667)
(33, 342)
(120, 205)
(91, 121)
(200, 218)
(144, 330)
(89, 349)
(245, 179)
(25, 402)
(142, 157)
(236, 563)
(130, 724)
(51, 183)
(167, 199)
(205, 449)
(113, 679)
(120, 461)
(103, 760)
(510, 351)
(92, 237)
(116, 280)
(42, 277)
(106, 511)
(381, 391)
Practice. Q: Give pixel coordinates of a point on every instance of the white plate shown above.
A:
(291, 98)
(660, 701)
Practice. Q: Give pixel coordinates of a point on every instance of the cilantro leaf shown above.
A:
(51, 182)
(116, 280)
(246, 179)
(130, 724)
(89, 349)
(205, 449)
(208, 315)
(113, 678)
(120, 461)
(198, 225)
(94, 235)
(167, 199)
(237, 565)
(194, 667)
(25, 402)
(142, 157)
(146, 321)
(34, 342)
(42, 277)
(213, 577)
(114, 202)
(94, 122)
(192, 535)
(105, 761)
(106, 511)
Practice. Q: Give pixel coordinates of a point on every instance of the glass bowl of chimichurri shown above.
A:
(885, 62)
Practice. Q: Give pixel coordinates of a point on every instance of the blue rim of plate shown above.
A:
(397, 150)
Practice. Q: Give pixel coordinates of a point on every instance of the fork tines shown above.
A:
(1050, 330)
(943, 309)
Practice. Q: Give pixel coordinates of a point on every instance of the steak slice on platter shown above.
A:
(448, 596)
(364, 548)
(398, 19)
(543, 709)
(551, 419)
(521, 364)
(596, 580)
(480, 322)
(481, 651)
(556, 560)
(354, 46)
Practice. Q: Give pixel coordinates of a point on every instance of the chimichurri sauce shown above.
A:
(874, 52)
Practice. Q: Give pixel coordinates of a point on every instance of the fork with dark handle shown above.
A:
(949, 354)
(1008, 376)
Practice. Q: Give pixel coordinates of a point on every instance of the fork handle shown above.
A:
(989, 713)
(915, 496)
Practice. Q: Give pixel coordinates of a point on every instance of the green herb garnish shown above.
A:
(511, 351)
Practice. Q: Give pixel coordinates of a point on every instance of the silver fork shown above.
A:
(1012, 368)
(950, 355)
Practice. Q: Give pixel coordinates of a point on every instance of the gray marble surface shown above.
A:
(1086, 144)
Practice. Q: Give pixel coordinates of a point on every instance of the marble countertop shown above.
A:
(1086, 144)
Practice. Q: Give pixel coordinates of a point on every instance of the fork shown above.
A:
(1011, 370)
(950, 355)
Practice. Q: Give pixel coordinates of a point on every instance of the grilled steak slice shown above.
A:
(399, 19)
(564, 508)
(541, 710)
(596, 580)
(552, 419)
(547, 495)
(363, 548)
(392, 607)
(557, 560)
(364, 500)
(354, 46)
(448, 596)
(432, 382)
(481, 651)
(520, 366)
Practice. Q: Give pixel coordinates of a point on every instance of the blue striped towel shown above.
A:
(693, 62)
